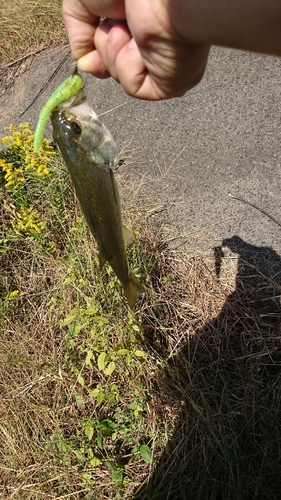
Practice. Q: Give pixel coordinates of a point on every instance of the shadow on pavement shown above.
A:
(227, 379)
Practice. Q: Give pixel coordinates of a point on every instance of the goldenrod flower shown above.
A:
(21, 166)
(12, 295)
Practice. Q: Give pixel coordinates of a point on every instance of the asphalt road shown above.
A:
(188, 154)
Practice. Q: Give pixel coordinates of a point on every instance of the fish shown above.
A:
(89, 152)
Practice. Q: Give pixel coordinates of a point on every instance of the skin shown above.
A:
(159, 49)
(67, 89)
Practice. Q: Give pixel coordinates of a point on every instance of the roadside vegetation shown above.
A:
(75, 380)
(28, 26)
(177, 400)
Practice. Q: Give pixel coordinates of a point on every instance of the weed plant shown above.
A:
(178, 400)
(76, 407)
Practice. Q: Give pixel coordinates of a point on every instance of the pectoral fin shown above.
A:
(115, 189)
(128, 235)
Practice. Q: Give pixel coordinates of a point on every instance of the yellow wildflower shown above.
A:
(13, 294)
(27, 219)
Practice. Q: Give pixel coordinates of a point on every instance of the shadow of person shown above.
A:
(226, 380)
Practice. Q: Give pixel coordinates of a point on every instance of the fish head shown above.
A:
(79, 133)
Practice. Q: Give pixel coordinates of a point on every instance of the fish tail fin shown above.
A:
(133, 289)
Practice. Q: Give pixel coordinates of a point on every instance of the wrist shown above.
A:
(252, 25)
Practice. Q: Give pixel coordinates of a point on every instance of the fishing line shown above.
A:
(50, 79)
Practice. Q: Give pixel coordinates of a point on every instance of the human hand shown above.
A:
(137, 44)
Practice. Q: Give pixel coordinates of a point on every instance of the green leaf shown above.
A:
(80, 380)
(101, 319)
(110, 465)
(70, 279)
(66, 321)
(99, 440)
(74, 329)
(146, 453)
(111, 398)
(71, 329)
(102, 360)
(106, 425)
(95, 462)
(79, 399)
(77, 329)
(89, 431)
(110, 368)
(121, 352)
(100, 397)
(91, 310)
(61, 445)
(117, 478)
(88, 358)
(94, 393)
(140, 354)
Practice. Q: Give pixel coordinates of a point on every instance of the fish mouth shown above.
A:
(60, 125)
(54, 116)
(58, 117)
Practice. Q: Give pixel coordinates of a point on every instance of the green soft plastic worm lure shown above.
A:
(66, 90)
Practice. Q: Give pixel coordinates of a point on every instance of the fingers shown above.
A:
(121, 59)
(133, 74)
(110, 39)
(81, 25)
(92, 63)
(160, 65)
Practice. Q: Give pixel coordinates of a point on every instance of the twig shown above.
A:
(24, 57)
(113, 109)
(256, 207)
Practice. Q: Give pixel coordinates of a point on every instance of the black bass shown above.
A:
(89, 152)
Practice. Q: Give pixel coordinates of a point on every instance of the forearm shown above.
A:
(253, 25)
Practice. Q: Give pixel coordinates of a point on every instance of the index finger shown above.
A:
(82, 18)
(81, 25)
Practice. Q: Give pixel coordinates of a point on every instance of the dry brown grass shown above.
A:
(223, 377)
(29, 25)
(212, 383)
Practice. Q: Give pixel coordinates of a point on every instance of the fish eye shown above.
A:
(76, 128)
